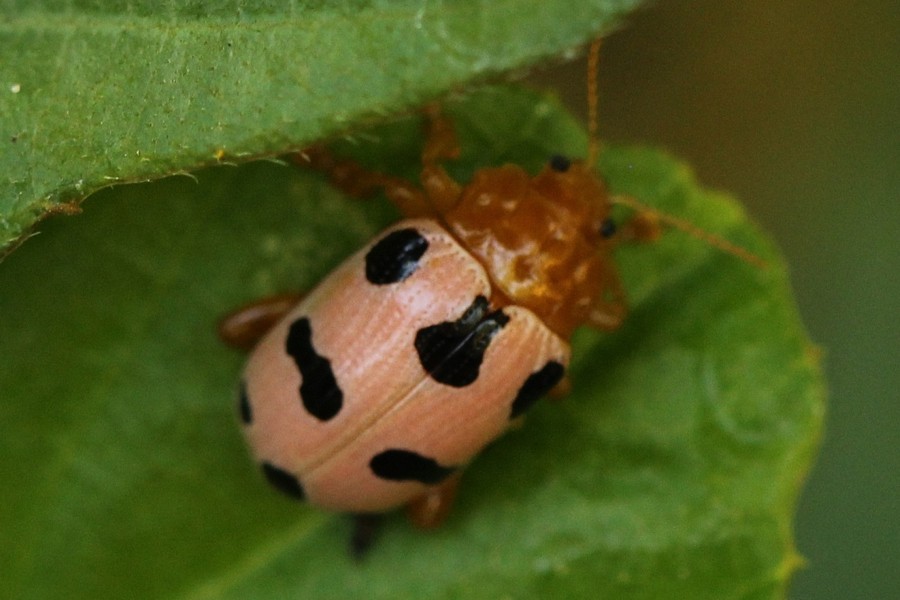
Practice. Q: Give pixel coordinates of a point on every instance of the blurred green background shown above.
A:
(794, 106)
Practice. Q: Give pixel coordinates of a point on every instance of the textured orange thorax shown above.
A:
(538, 237)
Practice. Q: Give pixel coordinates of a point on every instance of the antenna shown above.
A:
(692, 230)
(593, 63)
(592, 101)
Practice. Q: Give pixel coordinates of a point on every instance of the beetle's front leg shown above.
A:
(439, 192)
(355, 180)
(440, 144)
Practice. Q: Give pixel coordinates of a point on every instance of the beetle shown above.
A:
(377, 388)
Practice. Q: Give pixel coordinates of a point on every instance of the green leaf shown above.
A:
(671, 471)
(98, 93)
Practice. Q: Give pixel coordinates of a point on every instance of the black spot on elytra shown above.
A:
(283, 481)
(405, 465)
(395, 257)
(451, 352)
(537, 384)
(319, 390)
(244, 408)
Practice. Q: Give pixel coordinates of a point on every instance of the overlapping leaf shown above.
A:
(100, 92)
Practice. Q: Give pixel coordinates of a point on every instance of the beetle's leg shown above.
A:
(365, 530)
(355, 180)
(642, 227)
(244, 327)
(610, 307)
(440, 192)
(561, 389)
(441, 144)
(433, 507)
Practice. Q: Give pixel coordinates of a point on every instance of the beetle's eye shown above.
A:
(607, 228)
(560, 163)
